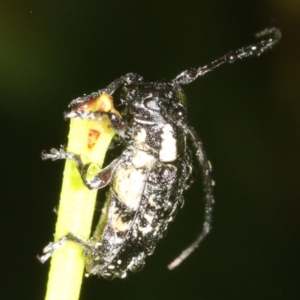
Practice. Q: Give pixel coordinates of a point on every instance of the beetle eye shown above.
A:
(177, 113)
(151, 104)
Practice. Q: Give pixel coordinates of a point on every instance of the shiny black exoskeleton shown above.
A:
(148, 179)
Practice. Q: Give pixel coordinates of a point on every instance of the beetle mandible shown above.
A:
(148, 179)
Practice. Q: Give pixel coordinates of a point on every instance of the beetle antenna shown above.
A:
(209, 199)
(271, 37)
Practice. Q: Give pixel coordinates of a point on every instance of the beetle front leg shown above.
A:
(100, 180)
(57, 154)
(127, 79)
(116, 122)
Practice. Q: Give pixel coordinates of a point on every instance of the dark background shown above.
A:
(247, 115)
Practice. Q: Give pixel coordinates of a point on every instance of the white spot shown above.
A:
(129, 181)
(142, 159)
(118, 224)
(168, 151)
(129, 186)
(209, 165)
(141, 136)
(149, 218)
(98, 245)
(146, 229)
(144, 121)
(152, 202)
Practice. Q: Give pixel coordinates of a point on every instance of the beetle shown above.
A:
(148, 179)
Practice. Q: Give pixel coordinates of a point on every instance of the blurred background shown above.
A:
(247, 115)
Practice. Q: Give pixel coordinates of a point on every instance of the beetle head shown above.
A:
(155, 102)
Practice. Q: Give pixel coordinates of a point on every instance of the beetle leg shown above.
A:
(57, 154)
(100, 180)
(117, 123)
(127, 79)
(52, 247)
(209, 200)
(271, 35)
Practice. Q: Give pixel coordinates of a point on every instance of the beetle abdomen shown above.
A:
(141, 204)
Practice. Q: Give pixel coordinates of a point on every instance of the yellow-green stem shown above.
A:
(76, 209)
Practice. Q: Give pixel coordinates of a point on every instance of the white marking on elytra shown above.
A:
(149, 218)
(129, 186)
(146, 229)
(140, 137)
(118, 223)
(168, 151)
(152, 202)
(129, 181)
(142, 159)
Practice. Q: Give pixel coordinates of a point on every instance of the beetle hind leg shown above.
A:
(52, 247)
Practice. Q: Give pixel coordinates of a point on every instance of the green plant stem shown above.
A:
(76, 209)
